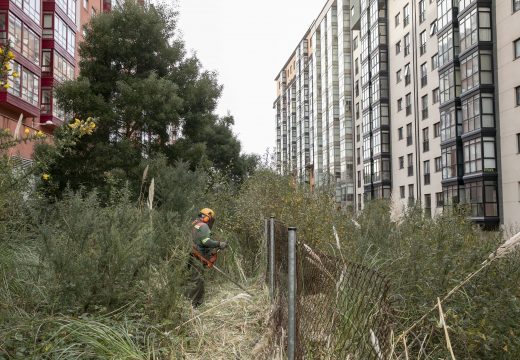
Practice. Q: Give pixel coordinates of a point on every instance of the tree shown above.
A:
(148, 96)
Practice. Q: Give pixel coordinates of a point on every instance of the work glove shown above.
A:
(223, 245)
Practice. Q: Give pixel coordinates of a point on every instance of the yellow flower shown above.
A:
(46, 177)
(10, 55)
(7, 66)
(1, 50)
(15, 74)
(40, 134)
(7, 86)
(7, 130)
(26, 131)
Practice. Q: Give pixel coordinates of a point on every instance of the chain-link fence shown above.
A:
(342, 309)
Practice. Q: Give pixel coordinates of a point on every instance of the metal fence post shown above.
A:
(291, 326)
(271, 258)
(266, 244)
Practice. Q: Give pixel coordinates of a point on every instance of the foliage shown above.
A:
(423, 259)
(150, 98)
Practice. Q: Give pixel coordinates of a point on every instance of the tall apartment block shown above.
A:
(314, 105)
(436, 106)
(44, 35)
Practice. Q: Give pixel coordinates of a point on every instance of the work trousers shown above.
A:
(195, 289)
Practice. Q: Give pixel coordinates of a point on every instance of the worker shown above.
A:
(203, 253)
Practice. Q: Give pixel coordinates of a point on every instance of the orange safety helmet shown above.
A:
(207, 215)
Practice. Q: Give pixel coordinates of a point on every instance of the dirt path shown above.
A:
(231, 324)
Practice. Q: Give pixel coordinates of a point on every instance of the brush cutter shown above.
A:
(211, 265)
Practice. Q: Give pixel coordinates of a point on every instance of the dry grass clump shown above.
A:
(230, 324)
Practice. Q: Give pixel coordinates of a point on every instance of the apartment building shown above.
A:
(436, 103)
(314, 105)
(44, 36)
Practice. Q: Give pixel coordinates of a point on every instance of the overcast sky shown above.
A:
(247, 43)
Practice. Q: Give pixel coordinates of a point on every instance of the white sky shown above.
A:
(247, 43)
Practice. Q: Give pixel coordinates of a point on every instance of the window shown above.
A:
(424, 75)
(68, 7)
(47, 26)
(516, 46)
(3, 27)
(422, 11)
(435, 96)
(451, 195)
(30, 8)
(407, 76)
(63, 70)
(426, 168)
(400, 133)
(26, 86)
(437, 130)
(409, 134)
(402, 192)
(410, 164)
(411, 195)
(46, 61)
(482, 198)
(367, 147)
(448, 47)
(435, 61)
(475, 26)
(424, 105)
(518, 143)
(356, 66)
(426, 139)
(439, 199)
(359, 179)
(358, 133)
(433, 28)
(477, 112)
(438, 164)
(472, 156)
(422, 42)
(398, 47)
(358, 156)
(407, 44)
(479, 155)
(450, 123)
(406, 15)
(398, 76)
(397, 19)
(85, 4)
(356, 88)
(64, 36)
(448, 85)
(428, 205)
(45, 106)
(471, 77)
(444, 12)
(400, 104)
(401, 162)
(517, 94)
(516, 5)
(449, 162)
(408, 100)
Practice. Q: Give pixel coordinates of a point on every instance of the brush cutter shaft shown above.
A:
(230, 279)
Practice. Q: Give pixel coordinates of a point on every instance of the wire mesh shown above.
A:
(342, 309)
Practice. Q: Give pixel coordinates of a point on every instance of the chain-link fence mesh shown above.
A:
(342, 309)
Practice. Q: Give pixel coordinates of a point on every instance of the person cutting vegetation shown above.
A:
(203, 253)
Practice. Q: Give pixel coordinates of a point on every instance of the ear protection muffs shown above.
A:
(205, 219)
